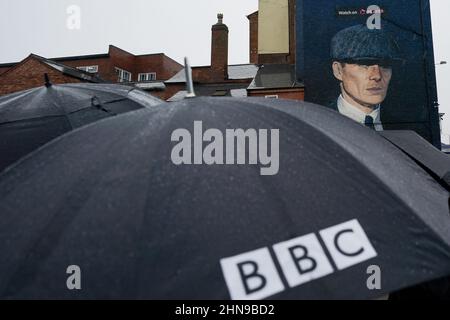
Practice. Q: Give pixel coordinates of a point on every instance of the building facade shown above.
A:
(117, 66)
(30, 73)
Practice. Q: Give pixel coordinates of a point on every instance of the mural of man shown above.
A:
(362, 61)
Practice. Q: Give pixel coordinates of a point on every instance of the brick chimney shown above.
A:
(219, 50)
(253, 19)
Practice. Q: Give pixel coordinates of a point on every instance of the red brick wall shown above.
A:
(149, 63)
(164, 67)
(253, 46)
(278, 58)
(219, 52)
(30, 74)
(290, 94)
(203, 75)
(292, 32)
(171, 89)
(4, 69)
(284, 58)
(104, 67)
(170, 68)
(123, 60)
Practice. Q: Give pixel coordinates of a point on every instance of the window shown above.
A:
(123, 75)
(272, 96)
(150, 76)
(90, 69)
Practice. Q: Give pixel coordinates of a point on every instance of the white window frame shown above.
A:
(148, 76)
(121, 75)
(271, 96)
(90, 69)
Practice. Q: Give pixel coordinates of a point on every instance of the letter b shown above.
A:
(251, 276)
(302, 260)
(249, 273)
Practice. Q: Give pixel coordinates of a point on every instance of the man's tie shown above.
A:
(369, 122)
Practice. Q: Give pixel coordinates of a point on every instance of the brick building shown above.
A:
(276, 76)
(146, 71)
(218, 79)
(119, 65)
(29, 73)
(267, 75)
(276, 81)
(256, 56)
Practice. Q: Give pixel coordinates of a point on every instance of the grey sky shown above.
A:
(177, 28)
(441, 27)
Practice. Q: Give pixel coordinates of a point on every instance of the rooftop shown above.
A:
(235, 72)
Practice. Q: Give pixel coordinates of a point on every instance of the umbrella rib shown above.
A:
(34, 118)
(104, 103)
(19, 96)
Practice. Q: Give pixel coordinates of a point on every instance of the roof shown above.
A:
(86, 57)
(252, 14)
(238, 93)
(71, 58)
(92, 56)
(235, 72)
(180, 95)
(7, 65)
(151, 85)
(275, 76)
(70, 71)
(214, 90)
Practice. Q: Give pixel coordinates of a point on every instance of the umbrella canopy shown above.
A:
(114, 202)
(31, 118)
(435, 162)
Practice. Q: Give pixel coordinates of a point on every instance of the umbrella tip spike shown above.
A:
(47, 80)
(189, 82)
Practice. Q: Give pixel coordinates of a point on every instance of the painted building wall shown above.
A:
(411, 100)
(273, 26)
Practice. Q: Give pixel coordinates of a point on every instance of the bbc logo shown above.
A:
(254, 276)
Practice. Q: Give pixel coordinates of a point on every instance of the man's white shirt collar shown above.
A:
(352, 112)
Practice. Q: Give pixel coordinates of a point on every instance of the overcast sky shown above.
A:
(440, 10)
(177, 28)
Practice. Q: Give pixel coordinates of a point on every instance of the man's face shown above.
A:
(363, 84)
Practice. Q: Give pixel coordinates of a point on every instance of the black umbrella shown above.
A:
(31, 118)
(344, 214)
(435, 162)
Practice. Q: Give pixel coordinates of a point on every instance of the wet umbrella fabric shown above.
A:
(108, 199)
(30, 118)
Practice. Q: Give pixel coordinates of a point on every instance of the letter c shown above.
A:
(336, 244)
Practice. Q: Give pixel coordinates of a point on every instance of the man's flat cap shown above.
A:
(361, 43)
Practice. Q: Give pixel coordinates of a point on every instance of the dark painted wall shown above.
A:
(411, 101)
